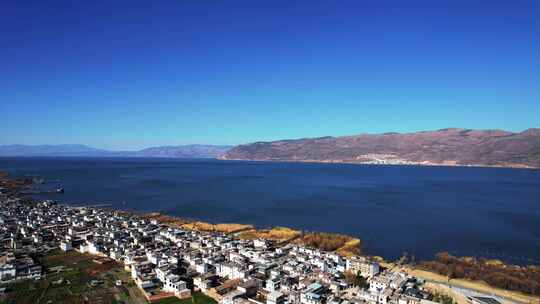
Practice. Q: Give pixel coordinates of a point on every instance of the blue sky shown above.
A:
(132, 74)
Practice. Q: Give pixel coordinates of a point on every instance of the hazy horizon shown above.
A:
(130, 75)
(232, 145)
(110, 150)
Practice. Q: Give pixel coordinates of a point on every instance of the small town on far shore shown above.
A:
(134, 259)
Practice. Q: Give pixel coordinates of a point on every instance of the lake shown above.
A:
(490, 212)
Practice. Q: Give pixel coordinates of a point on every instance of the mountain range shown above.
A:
(452, 146)
(184, 151)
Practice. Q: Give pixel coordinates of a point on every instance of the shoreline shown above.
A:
(206, 226)
(285, 161)
(337, 162)
(346, 246)
(202, 225)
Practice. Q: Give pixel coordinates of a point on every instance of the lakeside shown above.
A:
(340, 243)
(420, 201)
(404, 163)
(351, 248)
(285, 235)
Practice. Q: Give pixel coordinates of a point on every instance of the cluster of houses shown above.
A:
(165, 259)
(16, 235)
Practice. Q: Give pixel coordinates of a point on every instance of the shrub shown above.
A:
(495, 273)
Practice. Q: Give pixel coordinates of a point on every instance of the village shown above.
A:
(171, 262)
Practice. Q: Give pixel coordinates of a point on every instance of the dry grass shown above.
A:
(340, 243)
(494, 262)
(225, 228)
(476, 285)
(165, 219)
(445, 290)
(279, 234)
(195, 225)
(493, 272)
(350, 248)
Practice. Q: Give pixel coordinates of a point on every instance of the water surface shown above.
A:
(491, 212)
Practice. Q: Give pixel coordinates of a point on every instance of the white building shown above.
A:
(65, 246)
(312, 294)
(7, 272)
(175, 285)
(275, 297)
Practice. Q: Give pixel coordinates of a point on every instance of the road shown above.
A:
(468, 292)
(464, 289)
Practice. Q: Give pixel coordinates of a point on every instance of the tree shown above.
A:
(356, 279)
(361, 281)
(451, 272)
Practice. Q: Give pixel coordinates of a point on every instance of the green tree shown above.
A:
(360, 281)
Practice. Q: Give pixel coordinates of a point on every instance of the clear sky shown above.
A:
(132, 74)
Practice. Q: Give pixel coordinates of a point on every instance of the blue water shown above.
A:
(394, 209)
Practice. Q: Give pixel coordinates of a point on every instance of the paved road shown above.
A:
(467, 292)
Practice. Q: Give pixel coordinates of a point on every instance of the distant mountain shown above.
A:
(185, 151)
(49, 150)
(442, 147)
